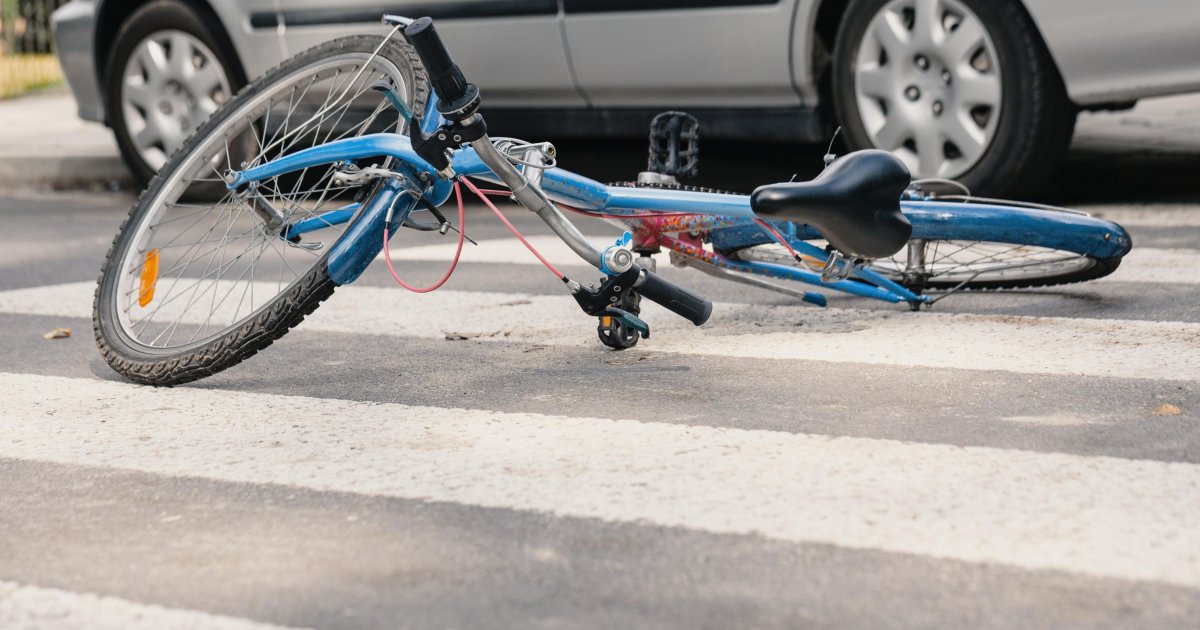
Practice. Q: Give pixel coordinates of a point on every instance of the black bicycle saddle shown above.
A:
(854, 204)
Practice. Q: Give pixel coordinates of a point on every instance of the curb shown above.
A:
(46, 145)
(65, 172)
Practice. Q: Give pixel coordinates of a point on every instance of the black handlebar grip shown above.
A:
(445, 76)
(676, 299)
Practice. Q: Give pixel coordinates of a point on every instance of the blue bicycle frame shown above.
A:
(351, 255)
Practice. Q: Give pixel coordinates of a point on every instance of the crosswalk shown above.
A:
(975, 504)
(34, 607)
(1049, 510)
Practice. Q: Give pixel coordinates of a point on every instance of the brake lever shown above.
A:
(394, 99)
(601, 301)
(630, 320)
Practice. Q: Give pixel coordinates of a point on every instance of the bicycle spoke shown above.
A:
(216, 262)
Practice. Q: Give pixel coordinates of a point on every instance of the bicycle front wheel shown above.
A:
(200, 278)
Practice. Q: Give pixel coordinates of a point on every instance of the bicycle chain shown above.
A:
(682, 187)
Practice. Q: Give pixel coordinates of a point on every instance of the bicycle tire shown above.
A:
(1048, 247)
(143, 362)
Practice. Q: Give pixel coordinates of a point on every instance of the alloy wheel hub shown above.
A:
(928, 85)
(172, 83)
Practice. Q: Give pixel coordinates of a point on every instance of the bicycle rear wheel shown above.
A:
(200, 278)
(974, 246)
(946, 264)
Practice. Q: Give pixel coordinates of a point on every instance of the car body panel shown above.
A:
(513, 49)
(804, 58)
(258, 49)
(720, 55)
(1119, 50)
(74, 27)
(680, 53)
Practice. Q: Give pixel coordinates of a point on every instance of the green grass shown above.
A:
(20, 74)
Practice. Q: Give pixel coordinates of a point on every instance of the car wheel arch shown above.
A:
(111, 15)
(824, 22)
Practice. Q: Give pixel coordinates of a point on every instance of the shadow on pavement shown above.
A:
(1150, 154)
(1091, 174)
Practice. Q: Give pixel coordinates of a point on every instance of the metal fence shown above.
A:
(25, 26)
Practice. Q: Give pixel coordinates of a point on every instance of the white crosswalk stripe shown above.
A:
(1164, 350)
(1032, 510)
(24, 607)
(1151, 216)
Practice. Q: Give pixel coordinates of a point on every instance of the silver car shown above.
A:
(983, 91)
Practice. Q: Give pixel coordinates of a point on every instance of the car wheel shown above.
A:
(957, 89)
(167, 74)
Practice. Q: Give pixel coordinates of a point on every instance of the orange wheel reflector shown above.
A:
(606, 321)
(149, 278)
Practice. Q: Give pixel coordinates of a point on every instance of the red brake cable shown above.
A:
(462, 232)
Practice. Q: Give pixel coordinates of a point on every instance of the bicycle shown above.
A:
(295, 185)
(959, 241)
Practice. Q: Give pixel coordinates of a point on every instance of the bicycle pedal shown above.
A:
(674, 145)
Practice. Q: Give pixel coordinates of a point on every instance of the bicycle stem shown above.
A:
(532, 197)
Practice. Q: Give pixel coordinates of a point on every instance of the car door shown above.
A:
(259, 49)
(512, 48)
(1115, 50)
(681, 53)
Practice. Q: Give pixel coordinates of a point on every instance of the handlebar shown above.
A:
(456, 96)
(457, 101)
(674, 298)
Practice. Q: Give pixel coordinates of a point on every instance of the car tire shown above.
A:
(1004, 96)
(164, 102)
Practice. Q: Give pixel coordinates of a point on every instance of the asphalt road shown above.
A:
(474, 458)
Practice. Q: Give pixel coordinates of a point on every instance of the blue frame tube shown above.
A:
(798, 274)
(1055, 229)
(931, 220)
(888, 286)
(580, 192)
(562, 186)
(364, 239)
(371, 145)
(321, 221)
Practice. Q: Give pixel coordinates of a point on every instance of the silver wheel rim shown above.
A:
(952, 262)
(927, 85)
(218, 266)
(171, 83)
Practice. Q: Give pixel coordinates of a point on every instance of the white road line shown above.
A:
(1157, 215)
(1099, 516)
(36, 608)
(508, 251)
(1148, 264)
(1029, 345)
(1143, 264)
